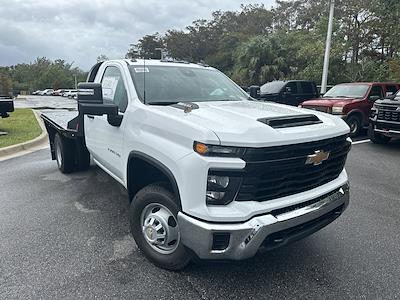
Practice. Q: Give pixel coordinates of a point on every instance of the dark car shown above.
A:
(352, 101)
(291, 92)
(384, 122)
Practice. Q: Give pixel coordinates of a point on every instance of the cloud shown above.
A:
(80, 30)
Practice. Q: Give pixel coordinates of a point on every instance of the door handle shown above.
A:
(90, 116)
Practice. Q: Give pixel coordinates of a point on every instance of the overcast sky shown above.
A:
(80, 30)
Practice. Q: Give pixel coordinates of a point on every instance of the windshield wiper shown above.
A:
(162, 103)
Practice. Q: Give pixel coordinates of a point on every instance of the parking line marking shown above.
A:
(361, 142)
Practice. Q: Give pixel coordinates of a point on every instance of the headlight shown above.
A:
(374, 111)
(337, 110)
(215, 150)
(221, 189)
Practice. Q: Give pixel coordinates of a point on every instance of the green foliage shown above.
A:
(41, 74)
(256, 44)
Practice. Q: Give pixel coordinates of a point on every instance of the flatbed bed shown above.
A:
(66, 136)
(61, 121)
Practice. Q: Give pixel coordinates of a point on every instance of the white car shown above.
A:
(69, 93)
(210, 172)
(46, 92)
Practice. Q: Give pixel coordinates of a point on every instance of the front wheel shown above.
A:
(354, 123)
(154, 226)
(376, 137)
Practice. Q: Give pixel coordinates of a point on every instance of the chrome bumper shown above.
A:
(271, 230)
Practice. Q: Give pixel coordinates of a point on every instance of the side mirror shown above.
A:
(254, 91)
(89, 92)
(373, 98)
(90, 102)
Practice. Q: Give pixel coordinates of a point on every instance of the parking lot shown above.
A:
(67, 236)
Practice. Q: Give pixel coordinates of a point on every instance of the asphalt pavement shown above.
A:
(67, 236)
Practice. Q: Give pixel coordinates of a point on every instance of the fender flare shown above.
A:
(155, 163)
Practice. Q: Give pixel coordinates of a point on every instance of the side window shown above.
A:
(376, 90)
(307, 88)
(114, 88)
(391, 90)
(293, 87)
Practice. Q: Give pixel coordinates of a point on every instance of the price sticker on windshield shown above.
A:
(142, 70)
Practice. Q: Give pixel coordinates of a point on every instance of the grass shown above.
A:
(21, 126)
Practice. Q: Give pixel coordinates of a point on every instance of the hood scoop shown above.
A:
(291, 121)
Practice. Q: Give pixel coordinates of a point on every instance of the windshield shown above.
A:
(165, 84)
(272, 87)
(347, 91)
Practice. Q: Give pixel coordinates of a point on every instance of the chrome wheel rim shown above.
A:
(353, 126)
(160, 228)
(58, 154)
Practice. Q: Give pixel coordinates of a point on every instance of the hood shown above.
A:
(388, 102)
(236, 123)
(328, 102)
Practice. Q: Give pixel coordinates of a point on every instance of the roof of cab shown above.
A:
(158, 62)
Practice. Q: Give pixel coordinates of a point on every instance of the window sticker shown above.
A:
(141, 70)
(109, 85)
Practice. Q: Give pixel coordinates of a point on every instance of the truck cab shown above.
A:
(210, 172)
(352, 102)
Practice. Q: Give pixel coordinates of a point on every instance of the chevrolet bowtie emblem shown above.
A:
(317, 158)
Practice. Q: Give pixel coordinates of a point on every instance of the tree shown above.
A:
(101, 57)
(41, 74)
(148, 47)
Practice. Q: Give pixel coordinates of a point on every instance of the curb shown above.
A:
(14, 149)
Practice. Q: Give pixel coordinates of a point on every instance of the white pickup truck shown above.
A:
(211, 173)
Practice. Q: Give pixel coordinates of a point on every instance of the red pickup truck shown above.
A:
(352, 101)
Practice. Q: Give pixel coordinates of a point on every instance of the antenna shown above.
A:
(144, 78)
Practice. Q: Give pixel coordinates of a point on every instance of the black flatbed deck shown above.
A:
(59, 119)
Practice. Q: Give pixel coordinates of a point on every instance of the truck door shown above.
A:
(105, 141)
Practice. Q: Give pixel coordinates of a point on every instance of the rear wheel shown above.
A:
(153, 219)
(64, 152)
(354, 123)
(376, 137)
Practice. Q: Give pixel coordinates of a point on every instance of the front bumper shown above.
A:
(270, 230)
(387, 128)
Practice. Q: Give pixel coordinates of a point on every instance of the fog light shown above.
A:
(221, 189)
(215, 195)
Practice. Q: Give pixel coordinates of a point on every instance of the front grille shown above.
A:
(280, 171)
(389, 113)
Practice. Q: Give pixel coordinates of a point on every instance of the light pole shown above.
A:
(327, 47)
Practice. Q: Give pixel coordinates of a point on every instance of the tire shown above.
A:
(64, 152)
(354, 123)
(154, 205)
(376, 137)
